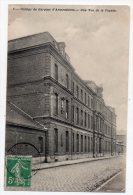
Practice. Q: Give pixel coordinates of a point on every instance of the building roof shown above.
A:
(16, 116)
(30, 41)
(46, 37)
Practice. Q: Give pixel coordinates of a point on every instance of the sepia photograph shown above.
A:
(67, 98)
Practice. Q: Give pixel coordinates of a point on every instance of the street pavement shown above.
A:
(80, 177)
(116, 184)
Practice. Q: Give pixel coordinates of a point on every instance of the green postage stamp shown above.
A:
(18, 171)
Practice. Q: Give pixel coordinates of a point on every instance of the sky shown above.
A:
(97, 43)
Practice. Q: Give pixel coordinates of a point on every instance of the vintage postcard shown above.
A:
(67, 97)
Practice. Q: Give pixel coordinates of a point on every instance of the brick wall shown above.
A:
(33, 95)
(17, 135)
(28, 68)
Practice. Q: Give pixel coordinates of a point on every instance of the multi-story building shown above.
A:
(64, 116)
(120, 143)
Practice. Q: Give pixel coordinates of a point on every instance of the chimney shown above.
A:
(62, 46)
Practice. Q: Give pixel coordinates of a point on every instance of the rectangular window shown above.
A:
(88, 121)
(62, 105)
(89, 101)
(97, 125)
(56, 140)
(67, 109)
(40, 139)
(56, 72)
(81, 95)
(67, 81)
(72, 113)
(100, 108)
(85, 144)
(56, 103)
(101, 125)
(85, 98)
(77, 92)
(91, 144)
(73, 87)
(73, 141)
(77, 142)
(85, 119)
(77, 114)
(91, 122)
(100, 144)
(81, 143)
(67, 141)
(88, 144)
(81, 117)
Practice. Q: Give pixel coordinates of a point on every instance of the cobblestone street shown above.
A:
(75, 178)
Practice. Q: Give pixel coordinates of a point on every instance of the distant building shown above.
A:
(50, 106)
(120, 143)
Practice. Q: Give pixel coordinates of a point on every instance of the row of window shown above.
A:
(98, 124)
(84, 96)
(66, 76)
(82, 118)
(107, 129)
(86, 99)
(80, 143)
(80, 146)
(64, 106)
(107, 146)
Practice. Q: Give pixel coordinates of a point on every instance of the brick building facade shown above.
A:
(70, 117)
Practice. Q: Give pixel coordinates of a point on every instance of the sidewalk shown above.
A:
(68, 162)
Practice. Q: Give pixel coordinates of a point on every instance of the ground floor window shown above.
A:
(77, 142)
(67, 141)
(81, 143)
(73, 141)
(85, 144)
(88, 144)
(40, 140)
(56, 139)
(100, 145)
(91, 144)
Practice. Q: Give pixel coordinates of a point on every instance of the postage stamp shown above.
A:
(18, 171)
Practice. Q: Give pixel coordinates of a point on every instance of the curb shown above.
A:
(72, 163)
(107, 181)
